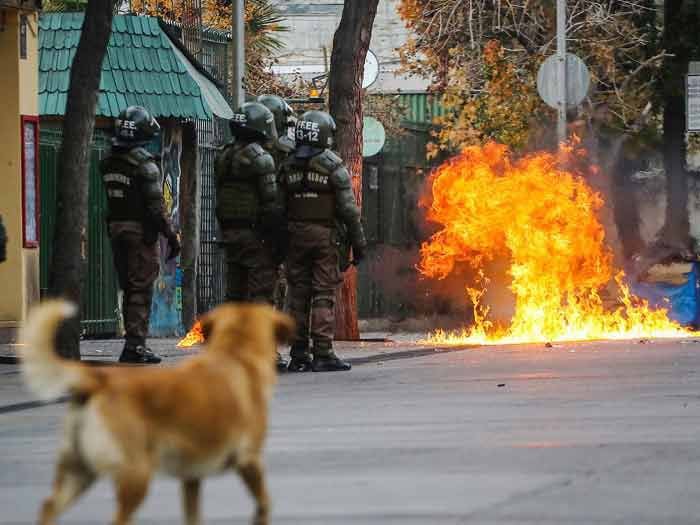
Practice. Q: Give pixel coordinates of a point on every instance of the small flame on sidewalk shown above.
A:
(194, 337)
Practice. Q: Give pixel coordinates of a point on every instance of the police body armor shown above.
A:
(125, 174)
(238, 171)
(311, 193)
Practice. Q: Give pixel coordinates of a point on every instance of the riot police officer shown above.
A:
(280, 149)
(136, 216)
(248, 206)
(322, 215)
(283, 145)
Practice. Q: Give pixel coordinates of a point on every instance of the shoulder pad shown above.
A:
(149, 170)
(264, 164)
(340, 178)
(250, 152)
(285, 144)
(326, 162)
(138, 156)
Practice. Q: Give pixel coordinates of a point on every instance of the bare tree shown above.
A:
(67, 265)
(350, 45)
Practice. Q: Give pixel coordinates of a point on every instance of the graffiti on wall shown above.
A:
(166, 312)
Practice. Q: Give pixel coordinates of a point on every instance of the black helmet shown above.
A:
(253, 121)
(315, 129)
(134, 126)
(280, 109)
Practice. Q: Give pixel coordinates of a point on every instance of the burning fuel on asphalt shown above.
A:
(539, 213)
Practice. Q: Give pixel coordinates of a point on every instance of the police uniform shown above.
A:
(246, 184)
(136, 216)
(320, 204)
(280, 149)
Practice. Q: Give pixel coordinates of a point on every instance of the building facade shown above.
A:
(19, 170)
(309, 42)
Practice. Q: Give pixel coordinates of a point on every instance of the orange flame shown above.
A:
(543, 219)
(193, 337)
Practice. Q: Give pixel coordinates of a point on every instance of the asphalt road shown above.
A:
(592, 433)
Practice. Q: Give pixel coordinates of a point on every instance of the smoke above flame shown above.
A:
(543, 219)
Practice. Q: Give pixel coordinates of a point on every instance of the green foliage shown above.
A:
(483, 58)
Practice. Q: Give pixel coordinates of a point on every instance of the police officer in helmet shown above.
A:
(280, 149)
(323, 217)
(136, 217)
(283, 145)
(248, 206)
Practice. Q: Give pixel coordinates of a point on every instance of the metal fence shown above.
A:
(392, 184)
(211, 277)
(100, 303)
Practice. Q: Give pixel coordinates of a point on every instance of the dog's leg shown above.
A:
(190, 500)
(131, 487)
(72, 479)
(253, 475)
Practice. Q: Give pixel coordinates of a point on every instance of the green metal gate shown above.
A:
(100, 303)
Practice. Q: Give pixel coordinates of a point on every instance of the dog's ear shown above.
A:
(285, 327)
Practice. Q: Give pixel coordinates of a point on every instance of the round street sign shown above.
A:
(373, 136)
(578, 81)
(371, 71)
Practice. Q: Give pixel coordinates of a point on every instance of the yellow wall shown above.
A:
(19, 275)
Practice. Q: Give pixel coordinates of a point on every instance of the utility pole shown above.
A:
(238, 55)
(561, 58)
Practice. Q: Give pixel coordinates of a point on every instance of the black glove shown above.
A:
(358, 254)
(173, 246)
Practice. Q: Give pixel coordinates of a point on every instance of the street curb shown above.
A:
(407, 354)
(370, 359)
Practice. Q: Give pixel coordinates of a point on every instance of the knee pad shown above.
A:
(323, 302)
(140, 298)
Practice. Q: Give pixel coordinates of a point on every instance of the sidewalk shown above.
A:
(374, 347)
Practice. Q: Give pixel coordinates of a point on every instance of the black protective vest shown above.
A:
(310, 194)
(123, 184)
(237, 196)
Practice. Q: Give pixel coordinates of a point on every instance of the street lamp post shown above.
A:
(561, 56)
(238, 58)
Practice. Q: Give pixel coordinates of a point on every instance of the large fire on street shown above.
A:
(544, 220)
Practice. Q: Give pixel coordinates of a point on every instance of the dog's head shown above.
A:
(231, 326)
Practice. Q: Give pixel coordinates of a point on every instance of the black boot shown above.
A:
(138, 355)
(281, 363)
(300, 358)
(325, 359)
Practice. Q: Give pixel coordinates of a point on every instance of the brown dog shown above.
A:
(202, 417)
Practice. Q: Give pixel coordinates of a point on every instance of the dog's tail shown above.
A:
(46, 373)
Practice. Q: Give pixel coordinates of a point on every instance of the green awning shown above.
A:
(141, 67)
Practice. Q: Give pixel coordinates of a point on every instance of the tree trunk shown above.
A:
(190, 209)
(69, 254)
(675, 233)
(626, 207)
(350, 45)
